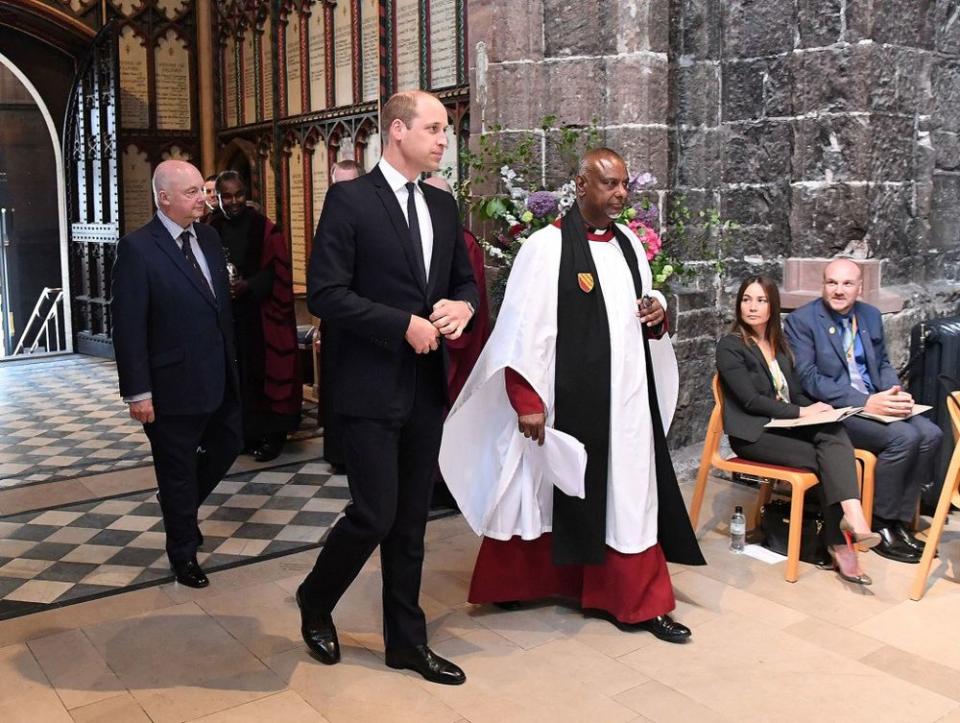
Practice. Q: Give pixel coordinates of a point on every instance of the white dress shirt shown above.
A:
(398, 184)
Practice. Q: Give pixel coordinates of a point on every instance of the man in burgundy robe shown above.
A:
(264, 321)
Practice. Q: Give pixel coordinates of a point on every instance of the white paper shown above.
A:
(562, 461)
(886, 419)
(759, 552)
(834, 415)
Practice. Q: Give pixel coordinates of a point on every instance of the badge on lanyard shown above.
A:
(585, 282)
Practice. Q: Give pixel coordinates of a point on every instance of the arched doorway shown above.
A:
(33, 248)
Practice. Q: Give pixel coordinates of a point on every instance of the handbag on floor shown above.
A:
(775, 526)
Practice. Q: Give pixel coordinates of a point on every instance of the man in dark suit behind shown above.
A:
(841, 359)
(390, 270)
(173, 338)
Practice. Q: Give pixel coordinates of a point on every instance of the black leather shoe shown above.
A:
(663, 627)
(906, 536)
(424, 661)
(892, 548)
(268, 451)
(509, 605)
(318, 633)
(189, 574)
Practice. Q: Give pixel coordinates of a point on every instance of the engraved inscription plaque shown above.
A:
(134, 89)
(230, 82)
(294, 92)
(137, 194)
(343, 53)
(266, 68)
(172, 83)
(443, 43)
(269, 196)
(318, 57)
(318, 170)
(249, 84)
(298, 232)
(370, 35)
(408, 44)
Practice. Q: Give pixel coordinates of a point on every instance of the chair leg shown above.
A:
(793, 541)
(936, 527)
(700, 488)
(763, 497)
(867, 472)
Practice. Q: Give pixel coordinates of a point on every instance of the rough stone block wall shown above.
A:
(820, 126)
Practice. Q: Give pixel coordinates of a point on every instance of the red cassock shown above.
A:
(464, 351)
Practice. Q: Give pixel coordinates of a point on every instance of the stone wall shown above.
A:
(820, 126)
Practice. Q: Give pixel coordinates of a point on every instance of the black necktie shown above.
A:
(414, 222)
(191, 259)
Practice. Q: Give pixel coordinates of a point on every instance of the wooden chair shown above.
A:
(951, 487)
(799, 480)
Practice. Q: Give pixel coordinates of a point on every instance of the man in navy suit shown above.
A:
(173, 339)
(841, 359)
(390, 271)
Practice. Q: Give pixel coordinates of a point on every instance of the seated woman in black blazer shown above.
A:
(756, 375)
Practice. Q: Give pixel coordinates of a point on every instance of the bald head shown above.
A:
(597, 158)
(178, 191)
(438, 182)
(842, 285)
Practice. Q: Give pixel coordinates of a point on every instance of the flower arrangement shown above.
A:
(518, 212)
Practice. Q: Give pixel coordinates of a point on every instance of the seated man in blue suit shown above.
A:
(173, 339)
(841, 359)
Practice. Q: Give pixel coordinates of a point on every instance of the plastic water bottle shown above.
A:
(738, 530)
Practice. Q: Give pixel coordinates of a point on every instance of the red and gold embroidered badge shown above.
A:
(586, 282)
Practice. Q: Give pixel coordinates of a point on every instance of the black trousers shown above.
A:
(390, 466)
(824, 449)
(191, 454)
(905, 455)
(332, 423)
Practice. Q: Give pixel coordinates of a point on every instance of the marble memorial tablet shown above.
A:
(230, 82)
(137, 193)
(443, 43)
(370, 45)
(266, 68)
(319, 170)
(408, 44)
(343, 53)
(293, 65)
(249, 73)
(134, 88)
(172, 83)
(298, 231)
(269, 197)
(318, 57)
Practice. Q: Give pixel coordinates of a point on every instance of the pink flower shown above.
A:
(648, 237)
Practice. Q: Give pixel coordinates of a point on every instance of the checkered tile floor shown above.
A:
(63, 418)
(87, 550)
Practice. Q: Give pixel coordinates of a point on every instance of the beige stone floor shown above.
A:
(762, 649)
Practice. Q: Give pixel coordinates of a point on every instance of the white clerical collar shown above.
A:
(174, 228)
(396, 180)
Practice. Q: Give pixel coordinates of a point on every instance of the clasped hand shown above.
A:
(449, 318)
(894, 402)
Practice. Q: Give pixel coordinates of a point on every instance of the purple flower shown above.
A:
(542, 204)
(641, 180)
(648, 214)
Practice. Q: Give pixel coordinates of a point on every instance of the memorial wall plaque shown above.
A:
(408, 44)
(248, 56)
(371, 153)
(318, 56)
(443, 43)
(294, 66)
(343, 53)
(134, 88)
(172, 83)
(269, 197)
(266, 68)
(230, 82)
(319, 170)
(448, 164)
(137, 193)
(370, 46)
(298, 228)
